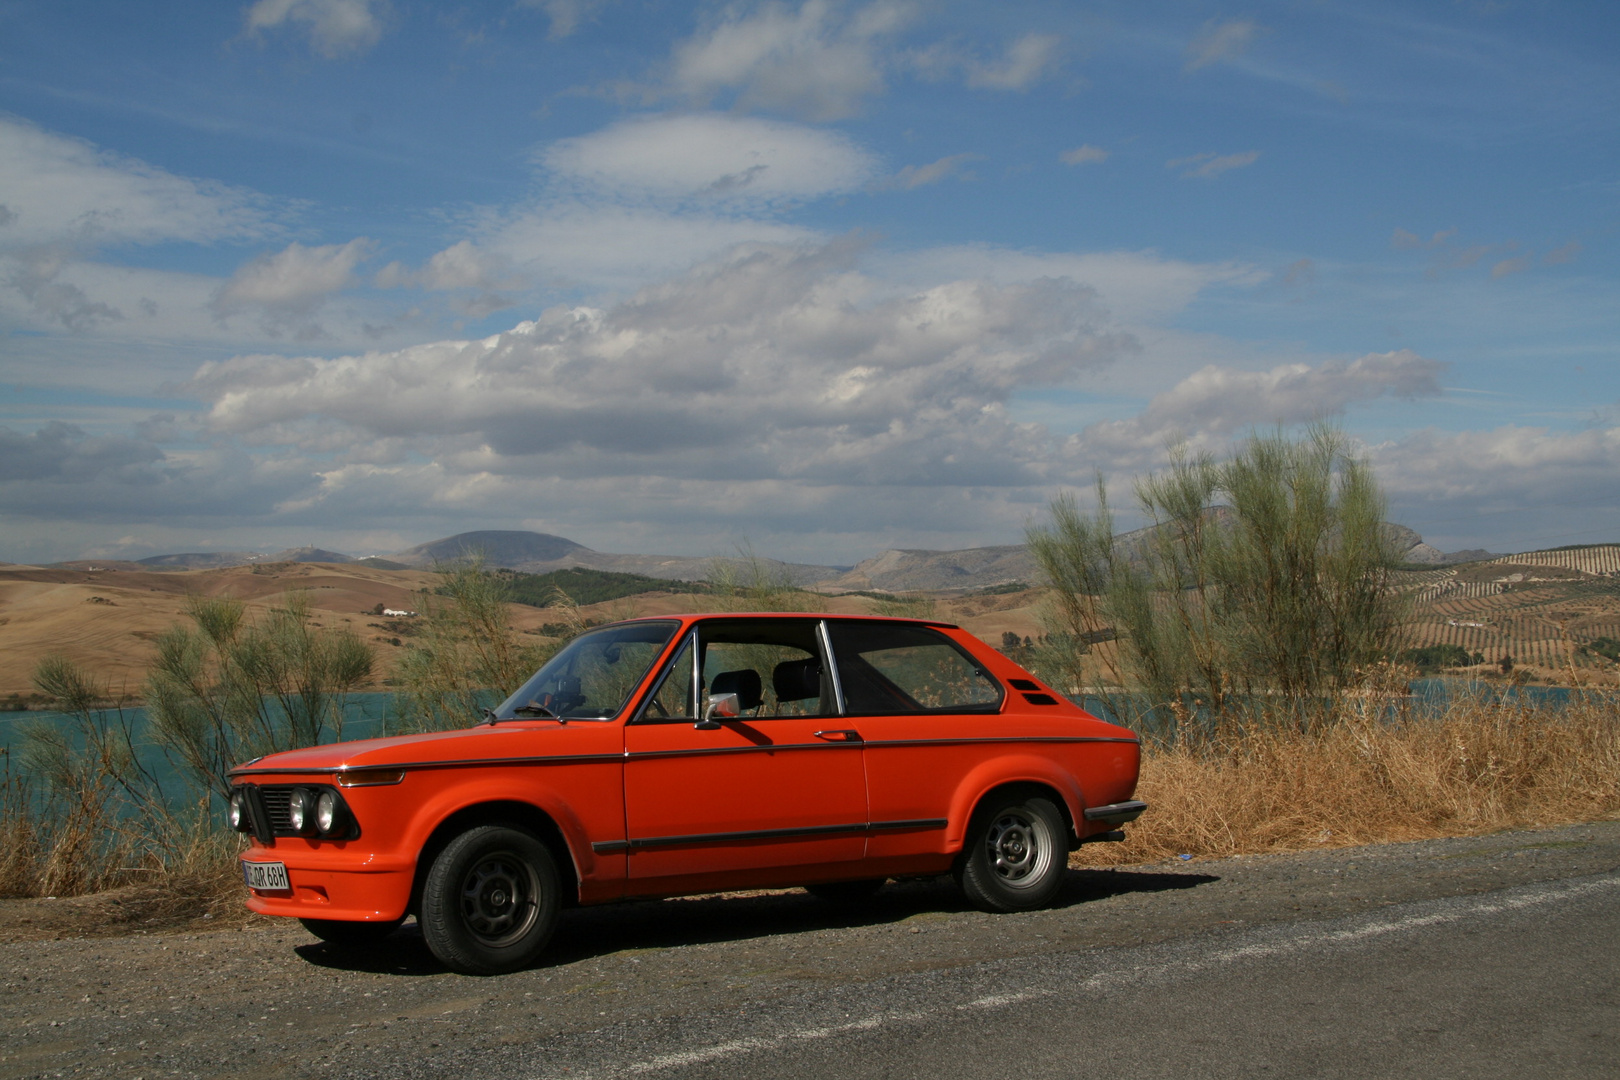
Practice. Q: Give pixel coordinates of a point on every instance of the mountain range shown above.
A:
(894, 570)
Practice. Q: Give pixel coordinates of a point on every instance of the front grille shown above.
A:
(276, 801)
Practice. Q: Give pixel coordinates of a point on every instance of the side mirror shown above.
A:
(721, 705)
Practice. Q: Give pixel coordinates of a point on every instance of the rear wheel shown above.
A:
(1015, 854)
(351, 935)
(846, 892)
(490, 901)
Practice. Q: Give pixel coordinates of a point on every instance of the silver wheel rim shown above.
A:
(1020, 848)
(500, 898)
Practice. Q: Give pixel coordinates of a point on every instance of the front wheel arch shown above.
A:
(520, 815)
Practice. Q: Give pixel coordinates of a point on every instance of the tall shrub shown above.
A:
(1260, 579)
(225, 690)
(466, 655)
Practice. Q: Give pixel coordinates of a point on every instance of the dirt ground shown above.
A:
(92, 987)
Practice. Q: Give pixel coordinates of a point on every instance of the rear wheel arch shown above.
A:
(1036, 788)
(508, 812)
(995, 778)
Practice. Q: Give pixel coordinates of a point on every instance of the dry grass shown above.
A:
(55, 849)
(1480, 767)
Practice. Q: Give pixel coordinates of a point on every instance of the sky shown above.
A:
(820, 278)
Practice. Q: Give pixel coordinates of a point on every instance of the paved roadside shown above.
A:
(272, 1002)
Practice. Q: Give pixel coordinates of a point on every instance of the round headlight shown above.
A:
(238, 811)
(300, 809)
(328, 818)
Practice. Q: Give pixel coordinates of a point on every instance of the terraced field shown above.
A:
(1540, 607)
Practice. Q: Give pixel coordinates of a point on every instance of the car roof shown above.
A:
(710, 616)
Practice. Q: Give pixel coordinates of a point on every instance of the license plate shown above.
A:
(266, 876)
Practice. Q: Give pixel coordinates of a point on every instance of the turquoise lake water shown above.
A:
(367, 715)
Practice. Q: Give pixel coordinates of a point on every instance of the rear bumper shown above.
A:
(376, 894)
(1116, 813)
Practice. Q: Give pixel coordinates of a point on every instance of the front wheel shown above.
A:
(490, 901)
(1015, 854)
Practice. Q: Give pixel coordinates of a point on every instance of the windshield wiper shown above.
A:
(532, 709)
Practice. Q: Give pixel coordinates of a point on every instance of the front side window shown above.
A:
(887, 668)
(774, 667)
(594, 675)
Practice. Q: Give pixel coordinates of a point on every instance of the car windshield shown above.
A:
(594, 675)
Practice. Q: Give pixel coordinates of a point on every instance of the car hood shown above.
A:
(485, 742)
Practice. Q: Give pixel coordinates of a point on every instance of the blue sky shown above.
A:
(825, 277)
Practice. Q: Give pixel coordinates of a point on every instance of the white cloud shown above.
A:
(64, 453)
(1516, 265)
(771, 365)
(1508, 470)
(1220, 41)
(39, 281)
(336, 27)
(819, 61)
(916, 176)
(1208, 165)
(565, 15)
(1136, 287)
(61, 190)
(575, 244)
(1084, 155)
(711, 156)
(1216, 402)
(1024, 62)
(462, 265)
(294, 281)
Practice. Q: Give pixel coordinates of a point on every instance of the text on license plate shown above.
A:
(269, 876)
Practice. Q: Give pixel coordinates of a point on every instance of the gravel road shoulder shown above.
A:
(262, 998)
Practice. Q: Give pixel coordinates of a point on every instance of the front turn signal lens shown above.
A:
(370, 777)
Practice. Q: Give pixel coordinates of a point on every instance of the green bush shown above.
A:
(1263, 578)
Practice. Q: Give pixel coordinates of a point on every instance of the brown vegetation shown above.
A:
(1483, 765)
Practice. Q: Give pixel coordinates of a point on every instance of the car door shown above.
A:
(778, 790)
(926, 710)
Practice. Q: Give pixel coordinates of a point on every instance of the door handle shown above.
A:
(839, 736)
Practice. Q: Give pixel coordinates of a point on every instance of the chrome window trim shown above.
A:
(830, 662)
(640, 715)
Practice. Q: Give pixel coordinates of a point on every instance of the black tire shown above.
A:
(1015, 855)
(490, 901)
(846, 892)
(351, 935)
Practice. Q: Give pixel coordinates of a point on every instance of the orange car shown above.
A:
(698, 753)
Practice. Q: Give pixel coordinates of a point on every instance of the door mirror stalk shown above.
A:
(721, 705)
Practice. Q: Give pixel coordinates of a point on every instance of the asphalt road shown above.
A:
(1488, 957)
(1516, 983)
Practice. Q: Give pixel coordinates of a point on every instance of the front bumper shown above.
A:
(323, 887)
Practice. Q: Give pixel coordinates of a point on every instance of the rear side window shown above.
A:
(889, 668)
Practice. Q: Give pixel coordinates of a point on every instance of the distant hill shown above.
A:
(913, 569)
(511, 548)
(214, 560)
(204, 560)
(895, 570)
(542, 553)
(310, 554)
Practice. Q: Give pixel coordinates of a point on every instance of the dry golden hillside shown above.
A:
(107, 618)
